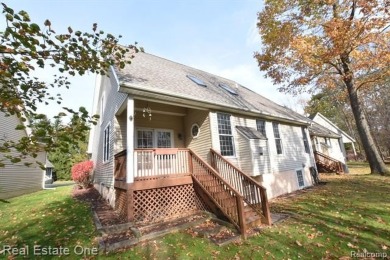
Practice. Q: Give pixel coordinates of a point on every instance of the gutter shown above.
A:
(147, 92)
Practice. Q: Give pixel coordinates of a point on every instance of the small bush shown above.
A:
(81, 173)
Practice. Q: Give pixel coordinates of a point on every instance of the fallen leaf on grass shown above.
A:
(351, 245)
(298, 243)
(384, 247)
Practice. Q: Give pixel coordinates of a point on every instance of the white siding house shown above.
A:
(328, 140)
(156, 103)
(16, 178)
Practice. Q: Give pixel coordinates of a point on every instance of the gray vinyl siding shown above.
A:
(251, 162)
(261, 163)
(120, 132)
(332, 148)
(202, 144)
(293, 151)
(293, 156)
(162, 121)
(245, 154)
(113, 100)
(17, 179)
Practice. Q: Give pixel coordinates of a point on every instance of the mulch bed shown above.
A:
(165, 225)
(107, 216)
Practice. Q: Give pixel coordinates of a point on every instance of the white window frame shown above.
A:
(154, 133)
(164, 130)
(107, 143)
(264, 126)
(136, 137)
(231, 135)
(303, 178)
(305, 140)
(277, 138)
(192, 127)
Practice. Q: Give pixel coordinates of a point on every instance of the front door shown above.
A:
(149, 162)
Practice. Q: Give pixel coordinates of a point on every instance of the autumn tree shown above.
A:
(335, 106)
(26, 46)
(330, 44)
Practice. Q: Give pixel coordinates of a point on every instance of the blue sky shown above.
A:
(218, 36)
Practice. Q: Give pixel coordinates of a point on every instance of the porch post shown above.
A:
(130, 141)
(130, 158)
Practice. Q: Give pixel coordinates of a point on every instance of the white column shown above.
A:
(130, 140)
(354, 150)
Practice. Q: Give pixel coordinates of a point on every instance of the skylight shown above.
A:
(197, 81)
(228, 89)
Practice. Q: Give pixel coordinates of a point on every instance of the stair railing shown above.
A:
(224, 196)
(328, 162)
(254, 194)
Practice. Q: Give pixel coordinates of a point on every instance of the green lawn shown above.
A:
(348, 213)
(360, 167)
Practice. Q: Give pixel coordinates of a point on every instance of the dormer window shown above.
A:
(228, 89)
(197, 81)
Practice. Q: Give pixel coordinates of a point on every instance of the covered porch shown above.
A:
(162, 169)
(151, 148)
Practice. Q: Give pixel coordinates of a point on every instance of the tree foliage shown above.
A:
(337, 45)
(26, 46)
(68, 142)
(336, 110)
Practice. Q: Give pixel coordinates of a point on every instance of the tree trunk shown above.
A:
(373, 156)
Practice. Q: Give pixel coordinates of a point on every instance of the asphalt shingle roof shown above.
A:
(250, 132)
(319, 130)
(169, 77)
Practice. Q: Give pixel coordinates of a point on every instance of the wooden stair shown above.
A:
(256, 210)
(327, 163)
(252, 218)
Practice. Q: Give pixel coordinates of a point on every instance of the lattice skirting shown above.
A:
(156, 205)
(121, 202)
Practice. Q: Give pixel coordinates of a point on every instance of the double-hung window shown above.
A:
(144, 138)
(106, 143)
(150, 138)
(278, 140)
(226, 141)
(305, 141)
(261, 126)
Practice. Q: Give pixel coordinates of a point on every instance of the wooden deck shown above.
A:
(164, 181)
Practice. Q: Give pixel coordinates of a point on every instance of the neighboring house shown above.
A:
(171, 136)
(329, 141)
(16, 178)
(50, 174)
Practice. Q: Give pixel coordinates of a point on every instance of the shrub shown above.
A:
(81, 173)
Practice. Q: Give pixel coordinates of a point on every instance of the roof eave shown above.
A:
(148, 92)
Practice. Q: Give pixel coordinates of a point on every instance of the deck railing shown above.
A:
(254, 194)
(328, 162)
(228, 189)
(152, 163)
